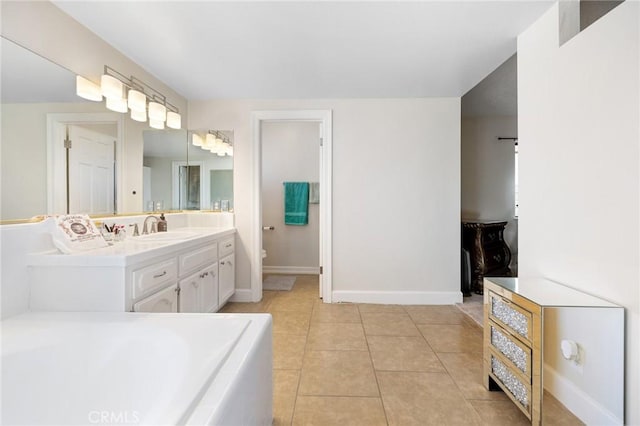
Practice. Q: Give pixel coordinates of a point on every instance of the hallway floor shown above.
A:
(359, 364)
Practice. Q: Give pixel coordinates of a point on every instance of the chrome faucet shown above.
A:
(153, 225)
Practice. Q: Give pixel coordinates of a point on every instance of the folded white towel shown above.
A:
(314, 192)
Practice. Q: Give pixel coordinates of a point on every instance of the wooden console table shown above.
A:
(490, 255)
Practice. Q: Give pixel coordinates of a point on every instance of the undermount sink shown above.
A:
(166, 236)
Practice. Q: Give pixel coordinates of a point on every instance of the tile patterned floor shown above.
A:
(358, 364)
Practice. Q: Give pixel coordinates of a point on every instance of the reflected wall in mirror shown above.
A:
(34, 89)
(162, 149)
(207, 179)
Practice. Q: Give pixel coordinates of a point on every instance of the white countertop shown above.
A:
(71, 368)
(131, 250)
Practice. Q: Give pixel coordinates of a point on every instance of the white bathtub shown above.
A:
(136, 368)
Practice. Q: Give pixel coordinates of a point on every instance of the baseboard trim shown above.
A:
(577, 401)
(301, 270)
(399, 297)
(241, 295)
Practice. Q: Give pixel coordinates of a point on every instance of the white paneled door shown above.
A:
(91, 171)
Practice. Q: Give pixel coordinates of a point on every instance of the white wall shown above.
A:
(290, 153)
(396, 192)
(579, 130)
(487, 172)
(161, 180)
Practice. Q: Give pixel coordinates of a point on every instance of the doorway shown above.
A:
(324, 207)
(91, 169)
(290, 161)
(96, 159)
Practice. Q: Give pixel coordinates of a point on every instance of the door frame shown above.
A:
(324, 117)
(175, 185)
(56, 159)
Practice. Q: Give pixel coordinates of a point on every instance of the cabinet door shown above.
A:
(163, 301)
(199, 291)
(209, 288)
(227, 278)
(190, 294)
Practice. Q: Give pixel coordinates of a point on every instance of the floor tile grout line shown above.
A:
(304, 353)
(375, 373)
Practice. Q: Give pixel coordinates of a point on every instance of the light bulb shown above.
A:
(111, 87)
(87, 89)
(117, 104)
(174, 120)
(157, 112)
(156, 124)
(196, 139)
(209, 141)
(137, 101)
(139, 115)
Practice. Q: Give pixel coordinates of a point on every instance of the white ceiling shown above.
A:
(304, 49)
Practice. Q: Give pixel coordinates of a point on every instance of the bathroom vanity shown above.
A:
(187, 269)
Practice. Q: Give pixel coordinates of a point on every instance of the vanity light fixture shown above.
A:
(214, 141)
(87, 89)
(130, 93)
(221, 145)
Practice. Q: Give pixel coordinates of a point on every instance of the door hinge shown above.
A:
(321, 141)
(67, 143)
(321, 270)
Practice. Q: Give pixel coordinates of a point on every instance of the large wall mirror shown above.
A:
(206, 180)
(133, 168)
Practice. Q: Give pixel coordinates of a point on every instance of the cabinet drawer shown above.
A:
(517, 320)
(163, 301)
(199, 257)
(518, 355)
(517, 389)
(496, 256)
(148, 279)
(227, 246)
(491, 235)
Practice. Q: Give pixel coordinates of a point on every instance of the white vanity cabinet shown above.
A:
(163, 301)
(150, 278)
(227, 269)
(227, 278)
(199, 292)
(194, 275)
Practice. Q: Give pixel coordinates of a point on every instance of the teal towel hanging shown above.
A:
(296, 203)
